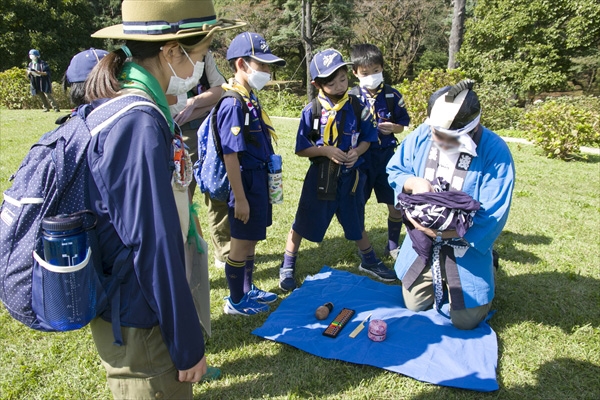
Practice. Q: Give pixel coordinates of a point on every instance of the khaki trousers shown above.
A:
(421, 297)
(142, 367)
(218, 226)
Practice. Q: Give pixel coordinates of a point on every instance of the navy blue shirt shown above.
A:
(131, 193)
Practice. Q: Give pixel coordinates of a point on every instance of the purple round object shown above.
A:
(377, 330)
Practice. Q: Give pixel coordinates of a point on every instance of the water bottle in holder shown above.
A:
(275, 179)
(65, 290)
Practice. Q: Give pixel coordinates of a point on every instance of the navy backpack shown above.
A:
(53, 180)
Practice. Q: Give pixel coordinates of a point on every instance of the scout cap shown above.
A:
(326, 63)
(82, 64)
(250, 44)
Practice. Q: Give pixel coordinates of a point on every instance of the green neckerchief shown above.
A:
(134, 76)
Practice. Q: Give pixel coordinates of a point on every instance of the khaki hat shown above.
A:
(160, 20)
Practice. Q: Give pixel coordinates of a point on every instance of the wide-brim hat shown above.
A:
(160, 20)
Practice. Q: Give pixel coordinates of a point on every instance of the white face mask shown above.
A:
(180, 105)
(33, 58)
(371, 81)
(257, 79)
(448, 150)
(179, 85)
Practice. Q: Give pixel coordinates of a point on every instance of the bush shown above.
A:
(15, 93)
(561, 128)
(282, 102)
(417, 92)
(498, 106)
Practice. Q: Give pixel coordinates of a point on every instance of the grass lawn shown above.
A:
(548, 299)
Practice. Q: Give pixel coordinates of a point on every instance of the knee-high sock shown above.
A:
(394, 228)
(234, 272)
(248, 269)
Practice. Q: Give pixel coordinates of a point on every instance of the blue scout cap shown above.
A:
(34, 52)
(325, 63)
(82, 64)
(250, 44)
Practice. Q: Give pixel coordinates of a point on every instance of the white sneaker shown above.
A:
(219, 264)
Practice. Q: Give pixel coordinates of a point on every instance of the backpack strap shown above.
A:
(389, 100)
(96, 121)
(213, 119)
(358, 109)
(315, 131)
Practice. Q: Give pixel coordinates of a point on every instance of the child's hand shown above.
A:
(387, 128)
(242, 210)
(335, 154)
(351, 158)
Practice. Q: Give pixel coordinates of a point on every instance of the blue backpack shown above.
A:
(53, 180)
(209, 170)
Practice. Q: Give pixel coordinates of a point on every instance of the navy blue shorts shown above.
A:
(314, 216)
(376, 161)
(256, 187)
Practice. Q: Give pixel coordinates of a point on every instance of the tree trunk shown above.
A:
(306, 32)
(457, 32)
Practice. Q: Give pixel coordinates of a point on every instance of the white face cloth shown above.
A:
(257, 79)
(179, 85)
(33, 58)
(371, 81)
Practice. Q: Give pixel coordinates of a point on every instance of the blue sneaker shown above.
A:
(286, 279)
(246, 306)
(379, 270)
(261, 296)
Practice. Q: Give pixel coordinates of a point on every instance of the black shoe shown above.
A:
(286, 279)
(46, 110)
(379, 270)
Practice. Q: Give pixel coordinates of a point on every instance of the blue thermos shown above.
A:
(64, 240)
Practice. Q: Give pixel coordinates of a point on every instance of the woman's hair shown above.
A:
(76, 91)
(103, 81)
(326, 80)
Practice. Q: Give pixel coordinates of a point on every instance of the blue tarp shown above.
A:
(424, 345)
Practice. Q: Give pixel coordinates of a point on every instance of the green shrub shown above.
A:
(498, 106)
(15, 92)
(282, 102)
(417, 92)
(561, 128)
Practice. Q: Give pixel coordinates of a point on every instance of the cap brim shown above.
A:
(269, 59)
(332, 69)
(116, 32)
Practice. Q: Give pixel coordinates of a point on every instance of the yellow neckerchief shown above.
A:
(233, 85)
(330, 133)
(370, 99)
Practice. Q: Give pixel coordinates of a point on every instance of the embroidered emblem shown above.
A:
(457, 182)
(429, 174)
(327, 60)
(433, 154)
(401, 102)
(264, 46)
(364, 115)
(235, 130)
(464, 162)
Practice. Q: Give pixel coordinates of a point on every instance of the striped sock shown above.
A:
(234, 272)
(248, 269)
(289, 260)
(394, 228)
(368, 255)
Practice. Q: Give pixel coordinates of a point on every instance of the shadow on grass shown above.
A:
(506, 246)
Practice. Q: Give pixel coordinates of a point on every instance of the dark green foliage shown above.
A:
(529, 45)
(417, 92)
(499, 108)
(561, 127)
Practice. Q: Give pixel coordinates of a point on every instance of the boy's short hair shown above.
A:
(327, 79)
(232, 64)
(365, 54)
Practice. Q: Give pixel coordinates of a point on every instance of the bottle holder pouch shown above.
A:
(66, 297)
(327, 178)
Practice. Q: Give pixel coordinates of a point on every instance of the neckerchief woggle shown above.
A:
(370, 99)
(134, 76)
(251, 99)
(330, 132)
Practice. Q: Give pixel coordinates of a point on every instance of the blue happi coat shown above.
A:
(490, 180)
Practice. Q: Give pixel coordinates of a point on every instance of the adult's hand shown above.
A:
(195, 373)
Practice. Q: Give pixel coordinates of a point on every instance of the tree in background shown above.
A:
(457, 32)
(58, 29)
(403, 30)
(529, 44)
